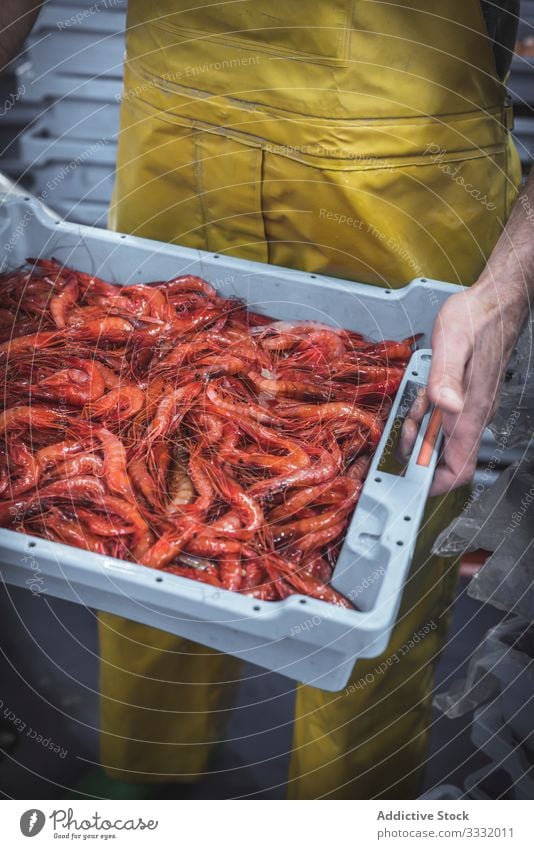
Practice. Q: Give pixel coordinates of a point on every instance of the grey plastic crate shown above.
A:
(79, 119)
(72, 182)
(97, 17)
(90, 214)
(85, 53)
(44, 88)
(302, 638)
(37, 147)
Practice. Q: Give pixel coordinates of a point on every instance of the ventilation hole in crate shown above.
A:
(400, 542)
(159, 580)
(387, 291)
(26, 197)
(57, 222)
(378, 480)
(415, 373)
(424, 280)
(426, 357)
(216, 256)
(313, 276)
(256, 607)
(32, 544)
(303, 601)
(407, 518)
(123, 236)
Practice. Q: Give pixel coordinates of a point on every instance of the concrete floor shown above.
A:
(48, 682)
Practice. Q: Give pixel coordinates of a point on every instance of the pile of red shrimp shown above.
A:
(167, 425)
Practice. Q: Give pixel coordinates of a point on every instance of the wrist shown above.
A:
(508, 298)
(500, 309)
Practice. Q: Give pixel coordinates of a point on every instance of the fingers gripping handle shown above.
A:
(425, 452)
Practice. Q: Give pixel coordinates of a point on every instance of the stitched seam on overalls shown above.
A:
(322, 162)
(199, 187)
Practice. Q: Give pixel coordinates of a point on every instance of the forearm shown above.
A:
(508, 278)
(16, 20)
(474, 335)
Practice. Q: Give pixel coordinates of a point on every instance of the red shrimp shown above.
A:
(316, 567)
(335, 410)
(300, 499)
(107, 329)
(278, 567)
(188, 283)
(34, 417)
(210, 425)
(229, 522)
(368, 372)
(318, 539)
(90, 284)
(323, 470)
(182, 352)
(235, 409)
(65, 298)
(111, 379)
(212, 546)
(206, 575)
(23, 344)
(328, 340)
(117, 404)
(115, 464)
(167, 547)
(102, 525)
(129, 513)
(171, 410)
(201, 318)
(62, 529)
(219, 364)
(310, 525)
(246, 508)
(78, 464)
(289, 388)
(26, 472)
(296, 459)
(143, 482)
(389, 350)
(359, 468)
(84, 489)
(148, 302)
(51, 454)
(74, 385)
(232, 572)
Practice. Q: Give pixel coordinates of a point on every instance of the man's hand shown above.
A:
(474, 335)
(473, 338)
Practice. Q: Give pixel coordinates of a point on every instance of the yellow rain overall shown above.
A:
(366, 140)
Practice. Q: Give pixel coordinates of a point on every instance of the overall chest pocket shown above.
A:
(313, 31)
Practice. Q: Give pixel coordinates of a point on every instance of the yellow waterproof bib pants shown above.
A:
(366, 140)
